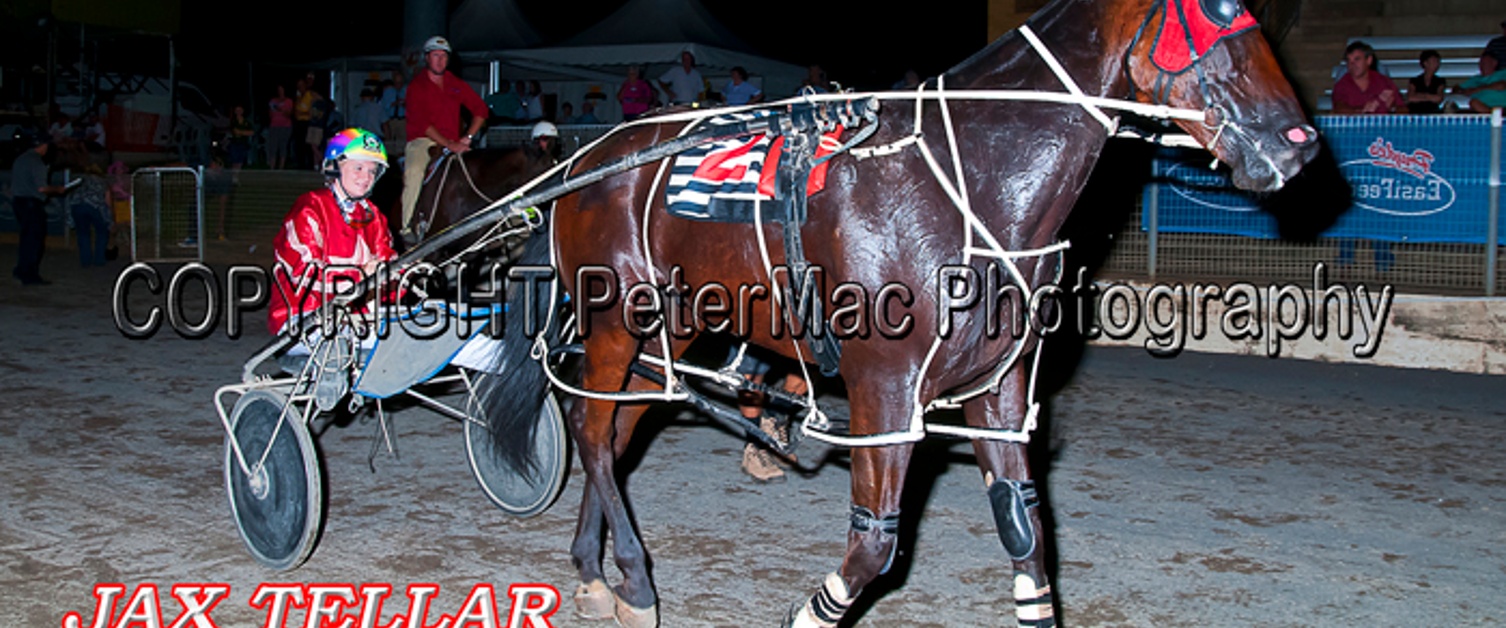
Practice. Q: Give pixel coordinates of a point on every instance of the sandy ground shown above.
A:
(1198, 491)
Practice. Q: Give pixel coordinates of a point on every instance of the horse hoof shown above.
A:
(629, 617)
(594, 600)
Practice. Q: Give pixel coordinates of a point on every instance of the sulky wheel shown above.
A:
(531, 493)
(278, 507)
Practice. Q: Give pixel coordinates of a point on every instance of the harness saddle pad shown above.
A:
(409, 350)
(719, 181)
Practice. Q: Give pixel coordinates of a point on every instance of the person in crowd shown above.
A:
(815, 81)
(1496, 47)
(1426, 93)
(304, 97)
(279, 129)
(92, 131)
(322, 116)
(530, 103)
(368, 113)
(61, 128)
(1363, 88)
(238, 144)
(683, 84)
(636, 95)
(435, 99)
(567, 113)
(394, 104)
(120, 205)
(218, 183)
(504, 104)
(909, 82)
(1488, 90)
(331, 234)
(739, 91)
(29, 192)
(587, 114)
(88, 203)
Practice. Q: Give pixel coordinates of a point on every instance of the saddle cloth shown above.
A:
(718, 181)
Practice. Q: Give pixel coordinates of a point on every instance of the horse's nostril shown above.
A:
(1301, 134)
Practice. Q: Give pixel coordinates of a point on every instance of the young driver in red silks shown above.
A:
(333, 237)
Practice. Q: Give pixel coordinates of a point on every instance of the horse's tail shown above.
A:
(512, 394)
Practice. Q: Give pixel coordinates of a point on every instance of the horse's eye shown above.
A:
(1222, 12)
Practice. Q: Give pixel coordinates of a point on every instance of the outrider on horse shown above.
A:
(964, 180)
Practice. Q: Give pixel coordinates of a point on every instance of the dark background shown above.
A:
(863, 45)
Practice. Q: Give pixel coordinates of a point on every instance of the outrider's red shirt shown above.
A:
(314, 237)
(439, 105)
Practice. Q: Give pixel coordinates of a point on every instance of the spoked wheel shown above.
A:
(277, 507)
(532, 492)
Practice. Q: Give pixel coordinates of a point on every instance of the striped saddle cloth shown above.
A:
(720, 181)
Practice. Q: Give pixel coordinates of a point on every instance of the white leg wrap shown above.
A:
(1032, 604)
(826, 607)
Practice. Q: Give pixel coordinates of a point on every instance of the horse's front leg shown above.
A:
(878, 476)
(1012, 493)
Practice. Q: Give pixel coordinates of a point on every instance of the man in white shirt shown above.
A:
(683, 84)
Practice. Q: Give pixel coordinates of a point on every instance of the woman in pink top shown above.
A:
(1363, 89)
(635, 95)
(279, 129)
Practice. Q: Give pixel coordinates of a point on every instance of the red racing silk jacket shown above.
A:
(319, 252)
(439, 106)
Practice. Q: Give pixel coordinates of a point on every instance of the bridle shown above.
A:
(1227, 22)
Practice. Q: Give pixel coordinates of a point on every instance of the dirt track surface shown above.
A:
(1198, 491)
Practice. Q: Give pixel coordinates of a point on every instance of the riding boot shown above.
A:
(758, 462)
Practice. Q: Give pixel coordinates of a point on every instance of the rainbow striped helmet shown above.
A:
(353, 143)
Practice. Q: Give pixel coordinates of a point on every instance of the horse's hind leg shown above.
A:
(1012, 493)
(600, 428)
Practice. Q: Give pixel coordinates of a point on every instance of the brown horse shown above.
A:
(962, 175)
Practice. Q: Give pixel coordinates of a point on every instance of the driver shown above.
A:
(333, 236)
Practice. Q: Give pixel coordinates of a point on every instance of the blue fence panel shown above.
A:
(1414, 179)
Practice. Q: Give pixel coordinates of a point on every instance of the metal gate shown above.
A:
(167, 214)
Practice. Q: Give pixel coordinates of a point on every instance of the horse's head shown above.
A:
(1209, 55)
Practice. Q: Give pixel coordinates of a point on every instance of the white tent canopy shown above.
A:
(491, 25)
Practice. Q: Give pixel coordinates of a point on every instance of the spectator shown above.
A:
(909, 83)
(1496, 47)
(739, 91)
(815, 81)
(321, 118)
(1363, 89)
(434, 100)
(92, 130)
(1488, 90)
(279, 129)
(303, 108)
(368, 113)
(531, 104)
(61, 128)
(1426, 93)
(504, 103)
(587, 114)
(120, 204)
(394, 102)
(89, 203)
(683, 84)
(29, 192)
(238, 147)
(636, 95)
(217, 186)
